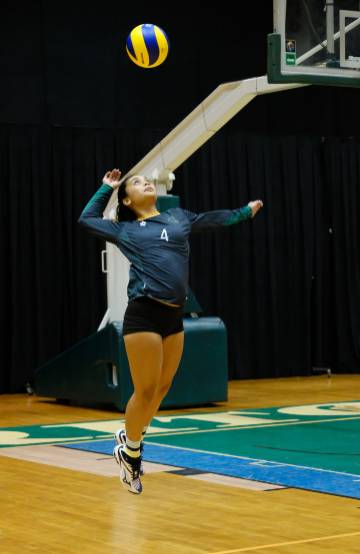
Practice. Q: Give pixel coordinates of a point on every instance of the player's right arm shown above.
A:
(91, 217)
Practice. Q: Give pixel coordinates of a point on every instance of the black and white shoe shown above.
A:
(120, 437)
(129, 470)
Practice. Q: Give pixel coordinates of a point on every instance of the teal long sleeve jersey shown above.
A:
(157, 247)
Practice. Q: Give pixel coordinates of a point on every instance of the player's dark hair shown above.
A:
(124, 213)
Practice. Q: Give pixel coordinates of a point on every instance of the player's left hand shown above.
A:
(255, 206)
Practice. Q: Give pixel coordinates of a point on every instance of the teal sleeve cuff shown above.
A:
(248, 211)
(108, 187)
(239, 215)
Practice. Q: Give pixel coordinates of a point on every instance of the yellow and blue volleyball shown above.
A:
(147, 45)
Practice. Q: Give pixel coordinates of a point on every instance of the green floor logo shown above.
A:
(181, 424)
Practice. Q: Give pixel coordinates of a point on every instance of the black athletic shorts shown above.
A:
(145, 314)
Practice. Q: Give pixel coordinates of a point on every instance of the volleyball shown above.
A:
(147, 45)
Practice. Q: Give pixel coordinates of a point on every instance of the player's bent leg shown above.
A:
(145, 355)
(173, 346)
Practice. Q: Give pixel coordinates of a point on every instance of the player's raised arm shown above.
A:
(91, 217)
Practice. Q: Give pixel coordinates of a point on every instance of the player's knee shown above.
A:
(164, 389)
(147, 394)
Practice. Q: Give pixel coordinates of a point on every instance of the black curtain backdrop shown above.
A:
(286, 284)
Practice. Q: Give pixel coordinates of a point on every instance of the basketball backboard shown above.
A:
(316, 42)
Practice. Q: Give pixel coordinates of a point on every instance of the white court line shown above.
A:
(315, 539)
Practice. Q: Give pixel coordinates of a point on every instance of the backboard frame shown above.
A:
(278, 72)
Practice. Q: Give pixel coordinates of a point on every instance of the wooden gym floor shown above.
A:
(49, 505)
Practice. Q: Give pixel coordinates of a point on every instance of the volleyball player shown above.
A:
(156, 244)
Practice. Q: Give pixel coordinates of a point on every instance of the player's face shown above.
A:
(140, 190)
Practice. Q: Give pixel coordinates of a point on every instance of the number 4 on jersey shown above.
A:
(164, 235)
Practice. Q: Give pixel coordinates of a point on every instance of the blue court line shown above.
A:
(313, 479)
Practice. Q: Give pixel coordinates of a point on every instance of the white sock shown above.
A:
(132, 448)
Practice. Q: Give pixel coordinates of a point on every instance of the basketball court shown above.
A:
(238, 477)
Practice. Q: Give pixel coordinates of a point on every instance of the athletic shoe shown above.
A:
(120, 437)
(129, 470)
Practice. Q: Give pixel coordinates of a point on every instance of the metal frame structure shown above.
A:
(344, 62)
(279, 72)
